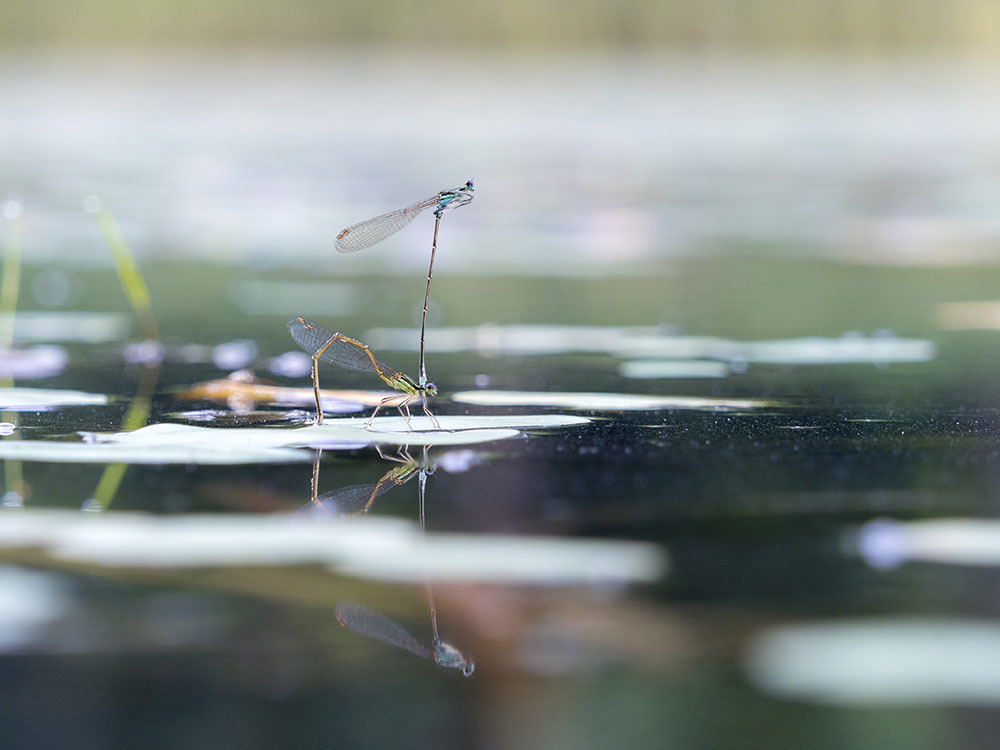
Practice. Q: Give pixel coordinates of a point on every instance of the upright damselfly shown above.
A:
(372, 231)
(351, 354)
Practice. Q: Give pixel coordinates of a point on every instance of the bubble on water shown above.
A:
(291, 364)
(52, 287)
(11, 499)
(143, 353)
(455, 462)
(233, 355)
(11, 209)
(882, 544)
(92, 204)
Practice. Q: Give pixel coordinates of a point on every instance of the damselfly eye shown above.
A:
(431, 389)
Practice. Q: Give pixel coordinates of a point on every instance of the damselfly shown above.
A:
(351, 354)
(372, 231)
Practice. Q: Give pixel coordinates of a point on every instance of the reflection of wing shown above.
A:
(354, 499)
(375, 625)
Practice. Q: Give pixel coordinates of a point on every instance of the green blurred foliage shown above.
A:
(684, 25)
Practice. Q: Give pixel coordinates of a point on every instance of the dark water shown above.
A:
(805, 275)
(758, 509)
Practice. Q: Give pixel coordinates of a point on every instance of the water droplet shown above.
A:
(482, 380)
(7, 428)
(11, 499)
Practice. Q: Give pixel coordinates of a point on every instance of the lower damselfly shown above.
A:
(372, 231)
(351, 354)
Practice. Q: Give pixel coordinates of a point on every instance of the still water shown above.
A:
(716, 352)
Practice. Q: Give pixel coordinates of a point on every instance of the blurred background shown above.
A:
(785, 200)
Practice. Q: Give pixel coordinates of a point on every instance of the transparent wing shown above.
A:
(347, 501)
(372, 231)
(375, 625)
(344, 352)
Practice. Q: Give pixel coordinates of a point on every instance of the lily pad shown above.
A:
(604, 401)
(24, 399)
(455, 430)
(193, 444)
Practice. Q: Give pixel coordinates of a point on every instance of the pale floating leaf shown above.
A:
(980, 315)
(455, 430)
(947, 541)
(66, 325)
(43, 398)
(647, 343)
(604, 401)
(146, 453)
(36, 362)
(384, 549)
(674, 368)
(193, 444)
(901, 661)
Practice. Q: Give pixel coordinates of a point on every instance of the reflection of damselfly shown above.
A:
(351, 354)
(358, 498)
(375, 625)
(372, 231)
(361, 619)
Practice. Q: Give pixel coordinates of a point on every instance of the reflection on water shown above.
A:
(375, 625)
(348, 501)
(361, 619)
